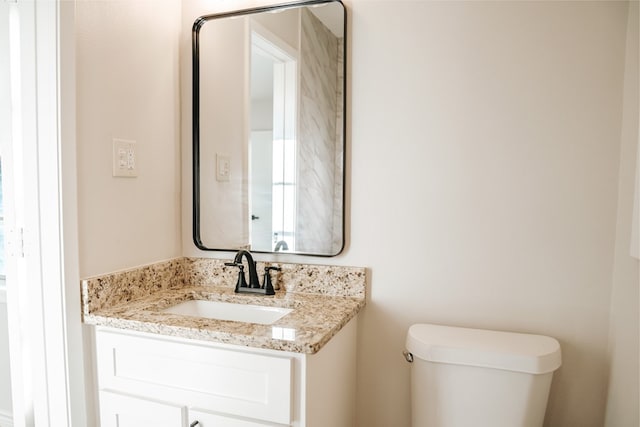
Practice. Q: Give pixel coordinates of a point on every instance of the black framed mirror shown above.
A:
(269, 96)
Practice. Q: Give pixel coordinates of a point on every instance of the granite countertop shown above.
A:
(316, 317)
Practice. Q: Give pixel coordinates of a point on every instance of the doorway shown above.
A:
(37, 93)
(272, 145)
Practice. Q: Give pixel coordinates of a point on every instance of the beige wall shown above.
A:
(622, 405)
(223, 130)
(128, 87)
(484, 142)
(501, 122)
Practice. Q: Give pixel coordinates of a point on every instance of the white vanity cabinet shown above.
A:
(147, 379)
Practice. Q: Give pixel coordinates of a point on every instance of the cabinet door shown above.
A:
(118, 410)
(201, 376)
(206, 419)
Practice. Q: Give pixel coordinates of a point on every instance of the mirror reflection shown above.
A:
(269, 129)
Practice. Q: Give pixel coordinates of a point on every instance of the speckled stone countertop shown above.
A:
(323, 299)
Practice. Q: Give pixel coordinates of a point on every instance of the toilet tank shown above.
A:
(463, 377)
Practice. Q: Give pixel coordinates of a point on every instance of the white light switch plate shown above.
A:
(125, 161)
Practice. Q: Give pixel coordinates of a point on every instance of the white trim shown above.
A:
(42, 287)
(70, 284)
(267, 39)
(22, 67)
(6, 420)
(3, 294)
(52, 406)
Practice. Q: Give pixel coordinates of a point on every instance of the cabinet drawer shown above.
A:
(117, 410)
(197, 375)
(206, 419)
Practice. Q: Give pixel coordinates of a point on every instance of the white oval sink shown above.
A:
(229, 311)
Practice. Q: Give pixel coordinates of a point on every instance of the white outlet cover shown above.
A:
(223, 167)
(125, 158)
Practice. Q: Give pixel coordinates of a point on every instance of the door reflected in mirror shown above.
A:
(269, 100)
(272, 164)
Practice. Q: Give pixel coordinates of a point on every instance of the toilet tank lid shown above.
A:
(534, 354)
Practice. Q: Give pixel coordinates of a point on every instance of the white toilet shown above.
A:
(464, 377)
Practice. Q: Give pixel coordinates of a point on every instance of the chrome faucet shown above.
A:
(254, 283)
(281, 245)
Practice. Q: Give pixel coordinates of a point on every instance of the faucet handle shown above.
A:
(242, 282)
(266, 283)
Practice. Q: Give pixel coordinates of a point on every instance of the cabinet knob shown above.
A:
(194, 424)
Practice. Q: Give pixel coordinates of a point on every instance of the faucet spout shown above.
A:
(254, 282)
(281, 245)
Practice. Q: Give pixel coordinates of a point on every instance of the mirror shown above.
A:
(268, 129)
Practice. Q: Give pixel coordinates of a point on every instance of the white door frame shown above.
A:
(285, 108)
(43, 296)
